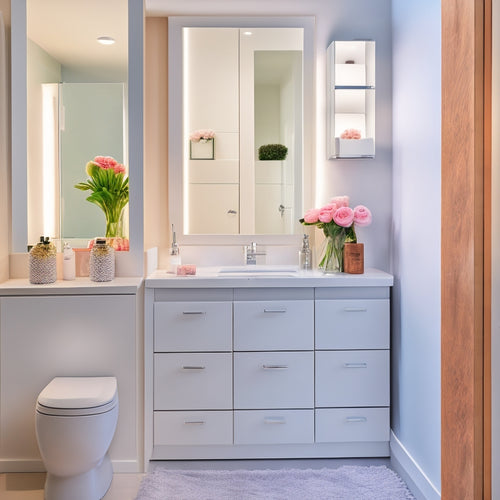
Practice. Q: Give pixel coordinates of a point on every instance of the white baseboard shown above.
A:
(404, 464)
(13, 465)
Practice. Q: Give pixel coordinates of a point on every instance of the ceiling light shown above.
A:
(247, 33)
(106, 40)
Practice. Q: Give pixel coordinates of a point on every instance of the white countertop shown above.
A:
(79, 286)
(210, 277)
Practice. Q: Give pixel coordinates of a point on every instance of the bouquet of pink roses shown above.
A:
(338, 221)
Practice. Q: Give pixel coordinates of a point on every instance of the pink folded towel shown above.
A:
(186, 270)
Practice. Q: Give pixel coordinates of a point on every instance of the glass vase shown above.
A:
(114, 225)
(332, 260)
(116, 233)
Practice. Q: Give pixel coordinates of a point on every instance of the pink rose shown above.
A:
(204, 134)
(311, 216)
(340, 201)
(326, 214)
(362, 216)
(343, 216)
(350, 133)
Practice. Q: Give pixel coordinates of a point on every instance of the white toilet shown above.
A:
(75, 423)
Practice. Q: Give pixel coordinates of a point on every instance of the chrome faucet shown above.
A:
(251, 254)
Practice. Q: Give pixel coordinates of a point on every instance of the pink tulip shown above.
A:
(108, 162)
(105, 162)
(343, 216)
(311, 216)
(362, 216)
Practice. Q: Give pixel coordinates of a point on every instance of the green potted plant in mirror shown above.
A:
(273, 152)
(108, 183)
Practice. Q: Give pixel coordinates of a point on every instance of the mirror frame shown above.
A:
(128, 263)
(175, 116)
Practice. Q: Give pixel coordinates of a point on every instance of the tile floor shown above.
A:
(29, 486)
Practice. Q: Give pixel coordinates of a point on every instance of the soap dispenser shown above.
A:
(68, 262)
(305, 254)
(175, 255)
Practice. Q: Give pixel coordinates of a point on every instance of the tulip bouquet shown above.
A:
(109, 186)
(338, 221)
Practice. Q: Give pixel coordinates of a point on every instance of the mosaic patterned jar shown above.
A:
(42, 262)
(102, 261)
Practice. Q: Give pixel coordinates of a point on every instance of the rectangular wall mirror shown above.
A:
(74, 108)
(245, 83)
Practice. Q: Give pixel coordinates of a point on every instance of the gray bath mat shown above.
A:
(344, 483)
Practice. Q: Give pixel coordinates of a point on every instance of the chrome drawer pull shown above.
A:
(283, 310)
(194, 422)
(355, 309)
(274, 420)
(355, 365)
(356, 419)
(194, 312)
(193, 367)
(274, 367)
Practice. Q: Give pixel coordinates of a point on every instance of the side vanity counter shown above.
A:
(267, 365)
(75, 328)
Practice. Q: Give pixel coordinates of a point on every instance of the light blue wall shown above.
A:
(416, 337)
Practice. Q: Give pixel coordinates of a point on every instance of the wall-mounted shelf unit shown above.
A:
(351, 99)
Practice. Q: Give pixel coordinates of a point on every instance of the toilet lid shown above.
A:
(78, 392)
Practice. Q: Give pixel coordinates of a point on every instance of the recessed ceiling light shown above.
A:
(247, 33)
(106, 40)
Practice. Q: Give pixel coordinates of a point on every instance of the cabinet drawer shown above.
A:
(347, 425)
(193, 326)
(273, 380)
(193, 381)
(352, 324)
(193, 427)
(352, 378)
(273, 426)
(274, 325)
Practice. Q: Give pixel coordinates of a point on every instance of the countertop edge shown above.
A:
(79, 286)
(313, 279)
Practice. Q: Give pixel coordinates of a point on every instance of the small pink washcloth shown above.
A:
(186, 270)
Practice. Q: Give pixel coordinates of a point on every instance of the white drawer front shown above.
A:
(345, 425)
(193, 326)
(193, 427)
(352, 378)
(193, 381)
(273, 380)
(352, 324)
(274, 325)
(273, 426)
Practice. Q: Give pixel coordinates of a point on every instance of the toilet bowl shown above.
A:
(75, 423)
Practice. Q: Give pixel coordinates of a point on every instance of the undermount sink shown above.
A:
(258, 271)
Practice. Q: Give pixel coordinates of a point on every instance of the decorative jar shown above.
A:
(102, 261)
(42, 262)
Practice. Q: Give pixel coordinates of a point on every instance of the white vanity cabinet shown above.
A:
(193, 368)
(235, 369)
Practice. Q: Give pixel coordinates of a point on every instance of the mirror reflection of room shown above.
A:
(77, 111)
(242, 91)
